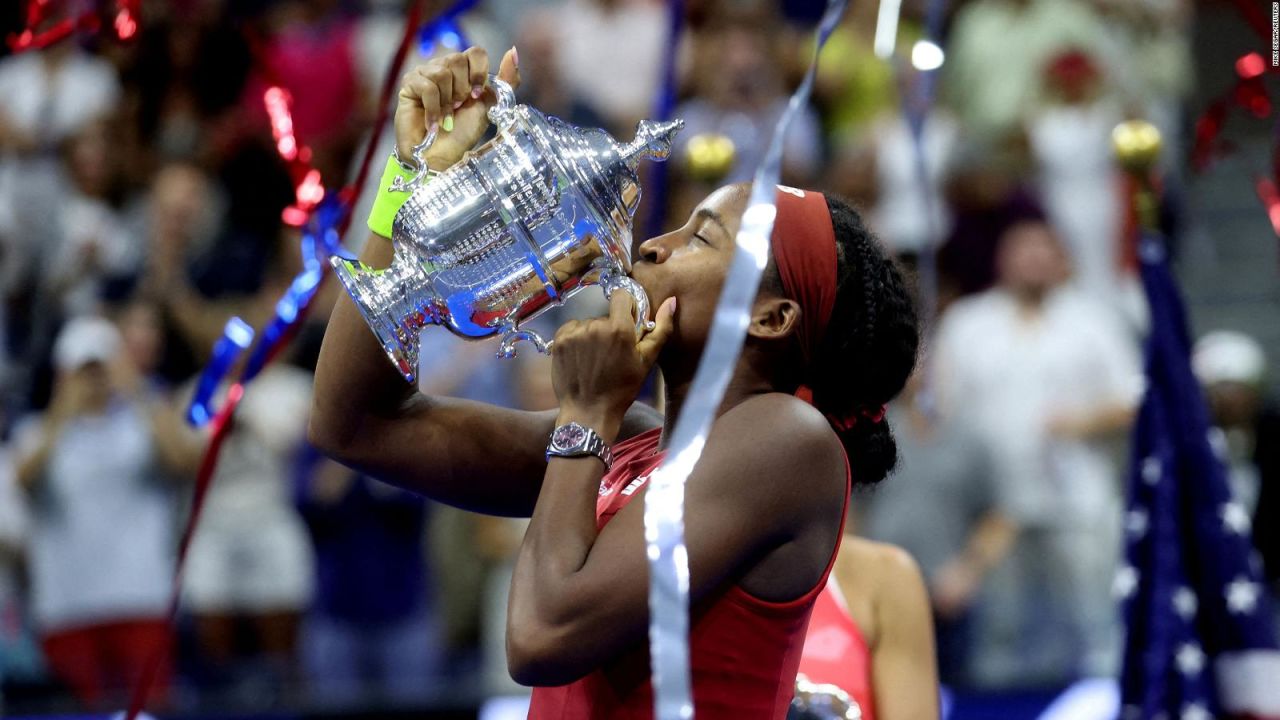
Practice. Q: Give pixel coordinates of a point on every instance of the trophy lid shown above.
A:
(607, 166)
(652, 142)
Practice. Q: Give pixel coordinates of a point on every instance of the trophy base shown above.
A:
(383, 298)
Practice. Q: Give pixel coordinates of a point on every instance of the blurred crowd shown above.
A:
(307, 583)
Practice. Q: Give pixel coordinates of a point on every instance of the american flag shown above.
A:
(1201, 638)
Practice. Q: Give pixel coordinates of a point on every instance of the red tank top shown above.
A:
(835, 653)
(743, 651)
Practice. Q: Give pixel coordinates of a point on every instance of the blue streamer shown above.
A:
(664, 502)
(444, 30)
(320, 240)
(236, 338)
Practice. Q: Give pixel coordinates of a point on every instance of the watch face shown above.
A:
(568, 436)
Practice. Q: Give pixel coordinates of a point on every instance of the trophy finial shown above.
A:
(652, 141)
(1136, 144)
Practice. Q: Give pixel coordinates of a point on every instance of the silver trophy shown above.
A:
(815, 701)
(518, 226)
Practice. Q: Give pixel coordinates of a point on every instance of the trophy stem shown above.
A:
(394, 304)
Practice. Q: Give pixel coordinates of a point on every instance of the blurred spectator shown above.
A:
(996, 54)
(1146, 49)
(370, 633)
(1070, 138)
(854, 86)
(946, 467)
(544, 88)
(310, 52)
(49, 96)
(611, 56)
(249, 573)
(180, 220)
(910, 213)
(90, 243)
(1232, 368)
(987, 196)
(182, 87)
(100, 547)
(1044, 375)
(740, 93)
(19, 657)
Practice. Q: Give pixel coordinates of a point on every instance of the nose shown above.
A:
(658, 249)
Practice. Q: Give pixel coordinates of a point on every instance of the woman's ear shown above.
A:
(774, 318)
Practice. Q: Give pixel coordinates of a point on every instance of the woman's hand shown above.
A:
(598, 365)
(451, 92)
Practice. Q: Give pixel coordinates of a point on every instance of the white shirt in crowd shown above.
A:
(251, 552)
(100, 545)
(1009, 375)
(612, 57)
(901, 216)
(52, 105)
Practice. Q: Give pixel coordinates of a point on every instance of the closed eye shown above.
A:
(702, 237)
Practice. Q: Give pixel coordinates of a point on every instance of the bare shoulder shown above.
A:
(888, 564)
(781, 435)
(881, 583)
(781, 418)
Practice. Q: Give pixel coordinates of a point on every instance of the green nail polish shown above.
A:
(448, 124)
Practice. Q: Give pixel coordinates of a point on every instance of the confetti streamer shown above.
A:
(664, 502)
(444, 31)
(325, 216)
(125, 21)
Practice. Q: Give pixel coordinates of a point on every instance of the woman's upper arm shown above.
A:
(903, 662)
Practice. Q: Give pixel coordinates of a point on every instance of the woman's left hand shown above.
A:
(598, 365)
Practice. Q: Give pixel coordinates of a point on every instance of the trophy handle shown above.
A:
(500, 114)
(513, 333)
(611, 281)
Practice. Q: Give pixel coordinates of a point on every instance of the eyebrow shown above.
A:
(713, 216)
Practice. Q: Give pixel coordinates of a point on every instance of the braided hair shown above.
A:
(870, 345)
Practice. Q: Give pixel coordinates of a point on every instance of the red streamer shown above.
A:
(308, 192)
(1248, 93)
(1270, 197)
(125, 21)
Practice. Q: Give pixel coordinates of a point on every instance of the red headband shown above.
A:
(804, 247)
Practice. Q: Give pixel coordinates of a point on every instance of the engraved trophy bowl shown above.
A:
(519, 225)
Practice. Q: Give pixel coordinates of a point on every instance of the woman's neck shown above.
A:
(743, 385)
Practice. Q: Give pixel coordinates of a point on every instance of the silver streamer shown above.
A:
(664, 500)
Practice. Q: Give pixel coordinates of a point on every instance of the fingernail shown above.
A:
(448, 124)
(477, 91)
(515, 57)
(673, 305)
(457, 105)
(435, 126)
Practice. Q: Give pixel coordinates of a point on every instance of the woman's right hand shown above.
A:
(451, 91)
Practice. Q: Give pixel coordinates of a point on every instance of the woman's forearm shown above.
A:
(353, 377)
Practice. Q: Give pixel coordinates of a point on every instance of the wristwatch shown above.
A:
(575, 440)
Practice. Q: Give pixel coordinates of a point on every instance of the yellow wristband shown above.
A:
(387, 202)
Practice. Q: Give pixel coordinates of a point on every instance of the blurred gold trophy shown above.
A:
(709, 157)
(1137, 144)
